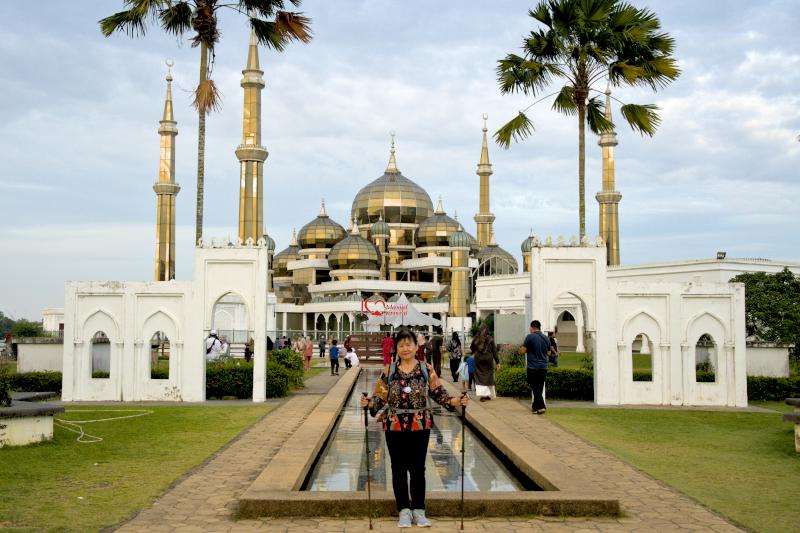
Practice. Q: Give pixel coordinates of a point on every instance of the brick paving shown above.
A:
(206, 500)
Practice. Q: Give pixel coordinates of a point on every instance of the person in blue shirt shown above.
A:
(536, 347)
(334, 355)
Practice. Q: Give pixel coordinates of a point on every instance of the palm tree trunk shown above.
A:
(201, 149)
(582, 169)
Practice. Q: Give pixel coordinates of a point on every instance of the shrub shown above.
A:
(36, 382)
(292, 362)
(229, 379)
(5, 387)
(760, 388)
(509, 355)
(564, 383)
(277, 381)
(159, 373)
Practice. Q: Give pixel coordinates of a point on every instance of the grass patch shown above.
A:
(775, 406)
(742, 465)
(42, 485)
(315, 371)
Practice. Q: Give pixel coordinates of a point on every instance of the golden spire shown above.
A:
(354, 228)
(293, 242)
(484, 218)
(608, 198)
(322, 212)
(484, 167)
(252, 53)
(391, 168)
(439, 208)
(166, 189)
(492, 241)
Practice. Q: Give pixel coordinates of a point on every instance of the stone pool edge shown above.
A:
(276, 491)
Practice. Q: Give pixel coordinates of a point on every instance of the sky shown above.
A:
(79, 145)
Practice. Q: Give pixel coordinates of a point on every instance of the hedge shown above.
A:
(292, 362)
(761, 388)
(564, 383)
(701, 376)
(36, 382)
(236, 380)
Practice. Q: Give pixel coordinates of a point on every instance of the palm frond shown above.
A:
(128, 22)
(268, 35)
(294, 26)
(207, 97)
(642, 118)
(517, 129)
(596, 118)
(176, 19)
(541, 13)
(564, 102)
(516, 74)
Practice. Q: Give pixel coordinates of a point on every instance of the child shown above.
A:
(334, 355)
(471, 368)
(463, 373)
(350, 358)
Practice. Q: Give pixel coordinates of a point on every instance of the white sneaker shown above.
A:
(405, 518)
(420, 519)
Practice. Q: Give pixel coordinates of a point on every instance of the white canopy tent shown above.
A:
(399, 313)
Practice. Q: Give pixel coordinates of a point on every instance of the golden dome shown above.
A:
(282, 258)
(435, 230)
(493, 260)
(394, 196)
(322, 232)
(354, 252)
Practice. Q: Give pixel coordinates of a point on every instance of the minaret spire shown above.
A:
(484, 218)
(608, 197)
(250, 153)
(322, 211)
(391, 167)
(439, 207)
(166, 189)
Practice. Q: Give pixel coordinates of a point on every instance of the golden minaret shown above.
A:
(250, 153)
(166, 189)
(608, 198)
(459, 273)
(484, 218)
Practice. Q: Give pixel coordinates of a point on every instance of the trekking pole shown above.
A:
(366, 444)
(463, 452)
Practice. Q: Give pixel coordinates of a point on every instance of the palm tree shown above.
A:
(273, 26)
(583, 43)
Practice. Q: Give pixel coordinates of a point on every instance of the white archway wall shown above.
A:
(708, 323)
(654, 392)
(144, 387)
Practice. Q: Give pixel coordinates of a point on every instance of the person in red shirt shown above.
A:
(387, 346)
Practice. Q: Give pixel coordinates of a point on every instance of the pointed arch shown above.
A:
(96, 315)
(641, 321)
(146, 332)
(706, 322)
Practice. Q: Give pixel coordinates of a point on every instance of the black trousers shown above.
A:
(454, 364)
(335, 364)
(408, 450)
(536, 383)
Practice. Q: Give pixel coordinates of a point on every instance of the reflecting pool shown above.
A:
(342, 466)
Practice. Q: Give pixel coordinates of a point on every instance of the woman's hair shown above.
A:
(482, 338)
(404, 333)
(456, 339)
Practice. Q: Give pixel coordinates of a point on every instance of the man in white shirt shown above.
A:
(351, 357)
(213, 346)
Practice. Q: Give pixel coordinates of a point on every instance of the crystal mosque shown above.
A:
(398, 244)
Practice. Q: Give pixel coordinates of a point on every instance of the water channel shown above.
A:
(341, 466)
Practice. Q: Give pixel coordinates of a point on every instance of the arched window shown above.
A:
(159, 356)
(101, 356)
(641, 358)
(705, 359)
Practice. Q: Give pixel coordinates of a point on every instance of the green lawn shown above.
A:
(65, 485)
(742, 465)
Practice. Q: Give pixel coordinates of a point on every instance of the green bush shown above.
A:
(5, 387)
(36, 382)
(760, 388)
(229, 379)
(278, 378)
(292, 362)
(159, 373)
(509, 355)
(564, 383)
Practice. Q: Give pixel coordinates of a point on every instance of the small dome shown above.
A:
(270, 243)
(493, 260)
(527, 244)
(322, 232)
(416, 300)
(354, 252)
(354, 298)
(394, 298)
(459, 239)
(436, 230)
(380, 229)
(282, 258)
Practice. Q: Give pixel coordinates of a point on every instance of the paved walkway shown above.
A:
(206, 500)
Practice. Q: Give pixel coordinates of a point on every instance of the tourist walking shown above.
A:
(308, 351)
(456, 354)
(535, 347)
(400, 403)
(322, 345)
(334, 355)
(436, 354)
(552, 355)
(387, 347)
(484, 350)
(213, 346)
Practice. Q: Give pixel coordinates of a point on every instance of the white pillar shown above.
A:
(579, 330)
(688, 374)
(285, 320)
(260, 320)
(625, 370)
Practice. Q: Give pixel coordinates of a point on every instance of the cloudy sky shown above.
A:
(79, 148)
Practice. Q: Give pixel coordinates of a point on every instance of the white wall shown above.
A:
(768, 360)
(40, 357)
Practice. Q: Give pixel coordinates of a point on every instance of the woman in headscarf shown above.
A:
(400, 400)
(484, 350)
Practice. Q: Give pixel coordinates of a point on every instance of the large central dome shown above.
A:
(394, 196)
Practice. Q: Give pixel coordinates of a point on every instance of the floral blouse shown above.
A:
(407, 391)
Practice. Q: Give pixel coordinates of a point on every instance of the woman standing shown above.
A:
(455, 352)
(400, 400)
(484, 350)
